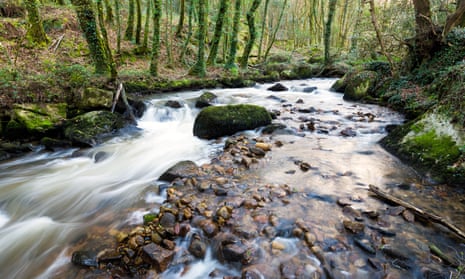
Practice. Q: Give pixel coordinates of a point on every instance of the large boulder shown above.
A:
(218, 121)
(433, 145)
(205, 100)
(94, 99)
(92, 127)
(360, 85)
(35, 119)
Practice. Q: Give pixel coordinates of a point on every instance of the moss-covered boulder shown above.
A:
(94, 98)
(360, 85)
(205, 100)
(218, 121)
(35, 119)
(91, 128)
(433, 145)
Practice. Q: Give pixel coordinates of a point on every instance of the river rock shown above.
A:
(90, 128)
(218, 121)
(157, 256)
(173, 104)
(278, 87)
(84, 258)
(259, 271)
(205, 100)
(183, 169)
(198, 248)
(360, 85)
(354, 227)
(93, 98)
(35, 119)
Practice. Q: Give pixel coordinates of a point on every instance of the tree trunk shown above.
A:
(189, 31)
(156, 37)
(252, 33)
(106, 46)
(181, 18)
(275, 32)
(109, 11)
(118, 27)
(454, 19)
(138, 21)
(199, 69)
(327, 35)
(35, 30)
(426, 40)
(262, 33)
(224, 4)
(145, 43)
(379, 35)
(231, 63)
(129, 34)
(88, 24)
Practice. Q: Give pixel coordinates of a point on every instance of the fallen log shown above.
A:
(417, 211)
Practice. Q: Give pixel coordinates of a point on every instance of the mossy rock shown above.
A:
(94, 99)
(432, 145)
(340, 85)
(38, 118)
(205, 100)
(91, 128)
(214, 122)
(360, 85)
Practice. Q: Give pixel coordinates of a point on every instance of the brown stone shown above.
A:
(157, 256)
(354, 227)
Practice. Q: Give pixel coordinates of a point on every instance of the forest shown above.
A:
(232, 139)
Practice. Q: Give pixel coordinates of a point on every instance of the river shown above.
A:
(49, 200)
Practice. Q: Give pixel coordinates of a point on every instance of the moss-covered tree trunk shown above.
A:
(109, 12)
(145, 42)
(224, 4)
(262, 33)
(328, 24)
(231, 63)
(129, 34)
(156, 37)
(88, 23)
(106, 45)
(118, 27)
(35, 31)
(181, 18)
(199, 69)
(252, 33)
(189, 31)
(138, 21)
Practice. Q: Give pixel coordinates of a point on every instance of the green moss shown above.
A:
(433, 149)
(148, 218)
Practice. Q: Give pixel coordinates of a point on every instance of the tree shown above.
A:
(224, 4)
(262, 33)
(181, 18)
(128, 35)
(199, 68)
(327, 35)
(35, 31)
(155, 37)
(234, 40)
(138, 21)
(88, 24)
(252, 33)
(111, 63)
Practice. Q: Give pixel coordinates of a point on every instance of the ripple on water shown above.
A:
(4, 219)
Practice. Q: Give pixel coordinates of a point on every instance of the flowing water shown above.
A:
(49, 200)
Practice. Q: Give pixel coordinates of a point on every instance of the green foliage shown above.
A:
(72, 76)
(148, 218)
(433, 149)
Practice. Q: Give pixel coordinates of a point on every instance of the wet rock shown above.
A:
(173, 104)
(209, 227)
(183, 169)
(354, 227)
(198, 248)
(275, 98)
(309, 89)
(272, 128)
(157, 256)
(94, 99)
(205, 100)
(84, 258)
(135, 241)
(108, 255)
(263, 146)
(168, 220)
(257, 151)
(394, 211)
(366, 245)
(408, 216)
(304, 166)
(277, 88)
(90, 128)
(218, 121)
(259, 271)
(348, 132)
(307, 110)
